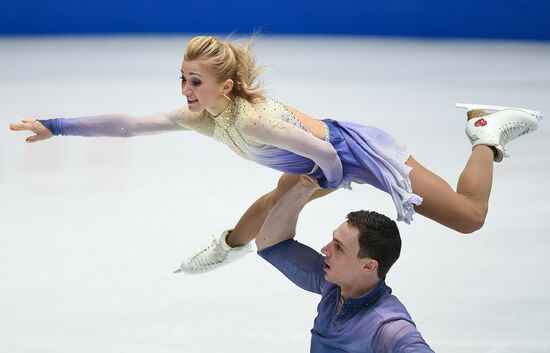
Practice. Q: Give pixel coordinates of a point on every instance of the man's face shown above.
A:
(342, 266)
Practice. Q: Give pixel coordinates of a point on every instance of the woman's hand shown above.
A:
(40, 131)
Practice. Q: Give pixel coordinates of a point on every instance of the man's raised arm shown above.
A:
(280, 224)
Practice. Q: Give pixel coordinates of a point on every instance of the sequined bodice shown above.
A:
(227, 124)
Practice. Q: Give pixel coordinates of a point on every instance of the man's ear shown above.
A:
(371, 265)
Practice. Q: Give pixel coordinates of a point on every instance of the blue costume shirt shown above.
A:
(375, 322)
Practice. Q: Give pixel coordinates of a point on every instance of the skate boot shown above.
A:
(498, 128)
(217, 254)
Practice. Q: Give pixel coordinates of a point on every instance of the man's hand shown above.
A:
(309, 182)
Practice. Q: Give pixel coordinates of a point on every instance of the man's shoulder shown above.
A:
(389, 308)
(384, 316)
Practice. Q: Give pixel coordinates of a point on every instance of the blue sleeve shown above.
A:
(103, 125)
(123, 125)
(299, 263)
(399, 336)
(52, 125)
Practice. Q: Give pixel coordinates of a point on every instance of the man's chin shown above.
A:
(328, 279)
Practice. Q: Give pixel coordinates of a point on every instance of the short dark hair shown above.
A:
(378, 238)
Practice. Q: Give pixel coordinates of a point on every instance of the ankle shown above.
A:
(228, 239)
(487, 149)
(233, 241)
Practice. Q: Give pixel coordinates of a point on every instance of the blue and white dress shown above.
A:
(266, 132)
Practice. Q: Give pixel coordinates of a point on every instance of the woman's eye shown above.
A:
(194, 82)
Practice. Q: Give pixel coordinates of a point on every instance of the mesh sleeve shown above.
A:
(284, 135)
(399, 336)
(123, 125)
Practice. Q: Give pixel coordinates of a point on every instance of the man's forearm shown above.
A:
(280, 224)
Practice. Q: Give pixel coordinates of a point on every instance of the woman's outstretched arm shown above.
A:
(116, 125)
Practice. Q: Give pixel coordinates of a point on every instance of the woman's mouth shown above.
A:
(191, 101)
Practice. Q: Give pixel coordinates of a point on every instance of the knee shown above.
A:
(475, 220)
(285, 183)
(271, 198)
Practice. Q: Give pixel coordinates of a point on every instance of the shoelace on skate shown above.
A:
(511, 131)
(203, 258)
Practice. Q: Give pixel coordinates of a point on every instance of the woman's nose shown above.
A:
(185, 89)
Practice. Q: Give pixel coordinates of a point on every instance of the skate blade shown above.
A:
(469, 106)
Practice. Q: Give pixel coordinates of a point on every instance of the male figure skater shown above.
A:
(357, 312)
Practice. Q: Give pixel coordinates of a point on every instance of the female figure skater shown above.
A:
(225, 101)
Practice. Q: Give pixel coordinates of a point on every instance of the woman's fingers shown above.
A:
(34, 138)
(25, 124)
(41, 132)
(20, 126)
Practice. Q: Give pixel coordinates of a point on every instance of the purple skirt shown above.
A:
(371, 156)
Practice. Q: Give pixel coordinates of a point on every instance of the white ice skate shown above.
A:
(216, 255)
(500, 127)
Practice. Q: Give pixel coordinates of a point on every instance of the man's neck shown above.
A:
(359, 289)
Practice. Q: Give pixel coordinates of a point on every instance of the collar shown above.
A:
(352, 306)
(226, 118)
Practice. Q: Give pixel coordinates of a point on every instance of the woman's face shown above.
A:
(202, 88)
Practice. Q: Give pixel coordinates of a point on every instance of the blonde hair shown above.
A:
(229, 61)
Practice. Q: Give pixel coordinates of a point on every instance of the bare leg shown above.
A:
(465, 209)
(251, 222)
